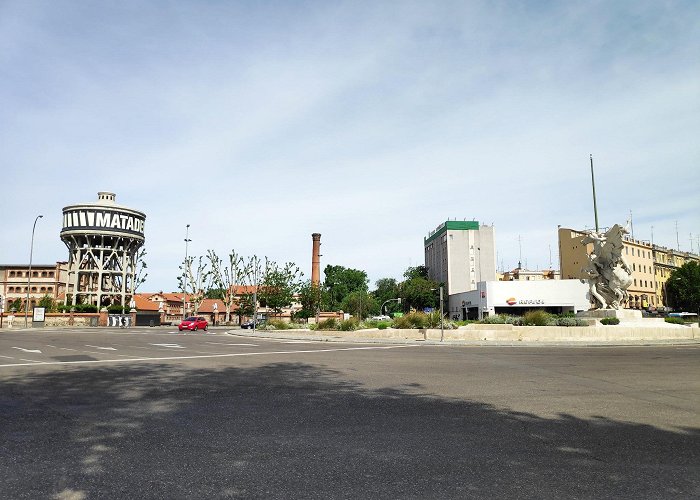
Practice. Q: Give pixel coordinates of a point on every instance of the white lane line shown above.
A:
(222, 343)
(33, 361)
(173, 358)
(67, 349)
(174, 346)
(98, 347)
(27, 350)
(8, 357)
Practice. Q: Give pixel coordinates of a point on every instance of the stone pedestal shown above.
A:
(621, 314)
(132, 313)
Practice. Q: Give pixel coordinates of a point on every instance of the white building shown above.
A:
(517, 297)
(460, 254)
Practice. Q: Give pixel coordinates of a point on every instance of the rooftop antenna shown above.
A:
(652, 235)
(631, 225)
(520, 252)
(678, 242)
(691, 243)
(550, 256)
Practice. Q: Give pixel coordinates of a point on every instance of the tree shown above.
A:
(340, 282)
(226, 278)
(417, 291)
(683, 288)
(310, 299)
(196, 281)
(140, 274)
(279, 285)
(360, 303)
(387, 289)
(48, 303)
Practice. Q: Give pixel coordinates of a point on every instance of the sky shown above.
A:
(259, 123)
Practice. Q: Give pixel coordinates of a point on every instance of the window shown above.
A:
(635, 282)
(51, 274)
(35, 274)
(12, 274)
(633, 267)
(43, 274)
(33, 289)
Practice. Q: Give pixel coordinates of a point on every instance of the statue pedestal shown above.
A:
(621, 314)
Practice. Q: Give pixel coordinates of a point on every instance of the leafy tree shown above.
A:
(417, 291)
(226, 278)
(683, 288)
(340, 282)
(387, 289)
(279, 285)
(416, 272)
(310, 299)
(48, 303)
(360, 303)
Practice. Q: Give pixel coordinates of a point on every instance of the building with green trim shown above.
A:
(460, 254)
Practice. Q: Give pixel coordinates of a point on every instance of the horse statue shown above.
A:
(609, 275)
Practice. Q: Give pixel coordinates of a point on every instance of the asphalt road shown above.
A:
(152, 413)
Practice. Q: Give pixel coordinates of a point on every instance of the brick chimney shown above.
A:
(316, 259)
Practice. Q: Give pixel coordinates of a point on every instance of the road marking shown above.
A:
(174, 346)
(8, 357)
(173, 358)
(33, 361)
(221, 343)
(27, 350)
(98, 347)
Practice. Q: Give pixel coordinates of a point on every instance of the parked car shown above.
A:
(248, 325)
(381, 317)
(193, 323)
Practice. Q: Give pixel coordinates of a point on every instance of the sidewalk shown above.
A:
(356, 337)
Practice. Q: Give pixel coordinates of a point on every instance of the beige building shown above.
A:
(519, 274)
(460, 254)
(46, 280)
(650, 265)
(667, 260)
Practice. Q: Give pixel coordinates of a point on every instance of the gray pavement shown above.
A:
(153, 413)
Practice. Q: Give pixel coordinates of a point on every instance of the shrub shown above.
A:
(349, 325)
(419, 320)
(610, 321)
(402, 322)
(328, 324)
(498, 319)
(537, 318)
(674, 320)
(513, 320)
(569, 321)
(383, 325)
(117, 309)
(276, 324)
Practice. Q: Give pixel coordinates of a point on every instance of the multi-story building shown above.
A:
(46, 280)
(667, 260)
(650, 266)
(519, 274)
(460, 254)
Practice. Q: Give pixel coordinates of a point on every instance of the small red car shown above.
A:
(193, 323)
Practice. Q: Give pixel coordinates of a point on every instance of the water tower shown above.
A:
(103, 239)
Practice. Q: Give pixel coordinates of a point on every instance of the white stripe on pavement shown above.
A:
(172, 358)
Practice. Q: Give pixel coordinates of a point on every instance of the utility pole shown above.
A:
(184, 275)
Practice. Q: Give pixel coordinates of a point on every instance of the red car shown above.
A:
(193, 323)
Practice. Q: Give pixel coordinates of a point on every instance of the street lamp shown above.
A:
(184, 274)
(29, 275)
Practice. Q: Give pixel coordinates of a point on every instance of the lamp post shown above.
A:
(184, 274)
(29, 274)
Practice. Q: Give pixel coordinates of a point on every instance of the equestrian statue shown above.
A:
(608, 274)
